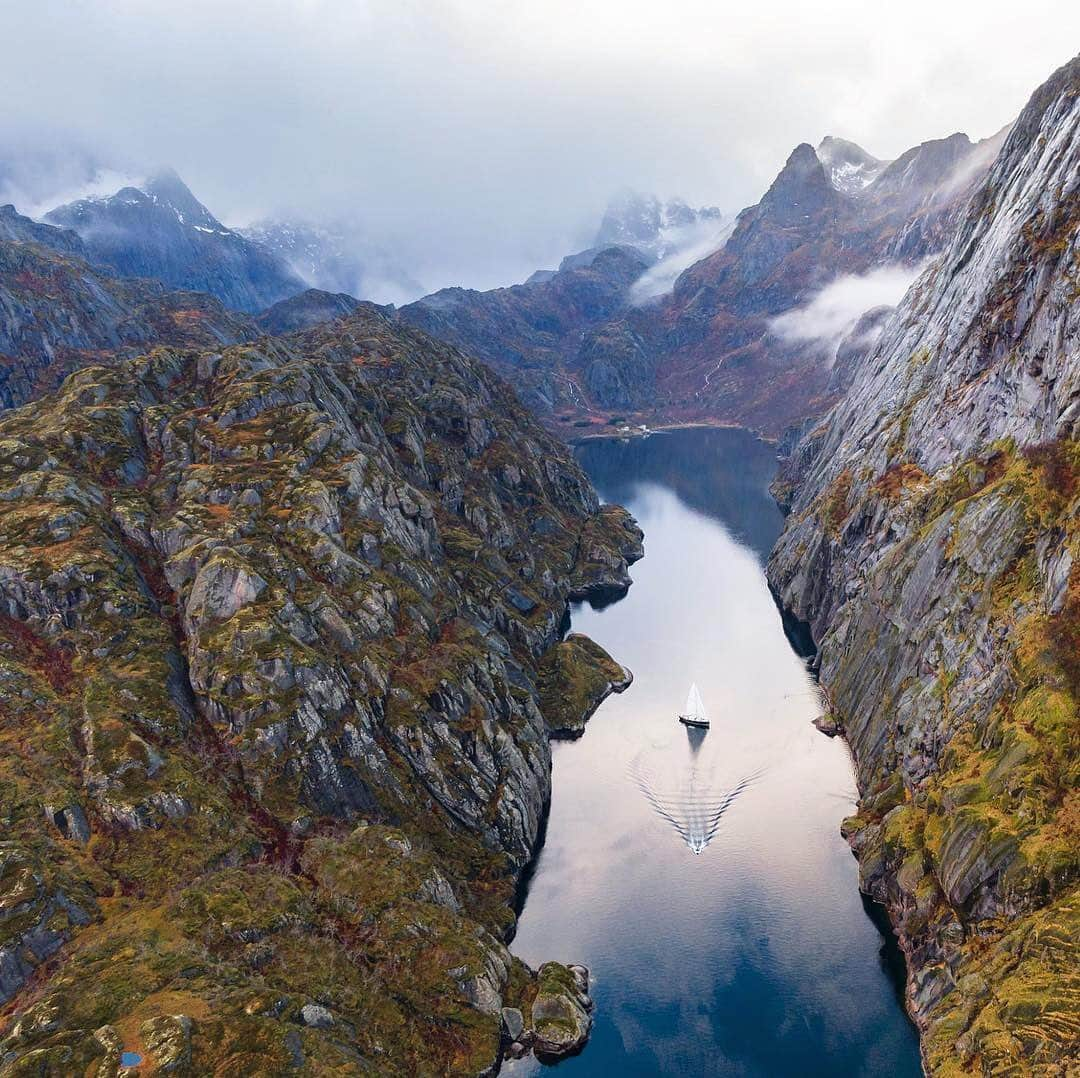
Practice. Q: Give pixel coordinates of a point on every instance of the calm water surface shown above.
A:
(755, 956)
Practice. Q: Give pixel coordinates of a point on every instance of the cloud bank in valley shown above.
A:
(831, 314)
(480, 140)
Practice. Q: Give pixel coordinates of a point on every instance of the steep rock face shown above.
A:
(163, 231)
(270, 626)
(58, 313)
(931, 546)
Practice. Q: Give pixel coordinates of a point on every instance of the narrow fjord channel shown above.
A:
(756, 955)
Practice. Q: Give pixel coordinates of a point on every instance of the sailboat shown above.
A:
(694, 715)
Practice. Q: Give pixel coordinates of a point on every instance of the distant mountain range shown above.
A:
(161, 230)
(616, 330)
(674, 312)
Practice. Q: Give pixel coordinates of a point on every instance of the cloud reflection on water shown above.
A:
(755, 958)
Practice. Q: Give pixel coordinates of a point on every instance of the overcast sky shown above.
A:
(483, 137)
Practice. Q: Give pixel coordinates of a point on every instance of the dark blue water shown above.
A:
(756, 955)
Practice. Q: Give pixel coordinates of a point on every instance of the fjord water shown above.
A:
(756, 956)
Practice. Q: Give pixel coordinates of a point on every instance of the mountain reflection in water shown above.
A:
(757, 957)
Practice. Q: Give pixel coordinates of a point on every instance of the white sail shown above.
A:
(695, 709)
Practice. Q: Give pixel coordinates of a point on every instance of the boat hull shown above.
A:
(697, 723)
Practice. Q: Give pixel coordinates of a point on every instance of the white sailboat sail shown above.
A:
(695, 709)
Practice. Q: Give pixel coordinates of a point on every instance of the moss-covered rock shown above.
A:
(272, 621)
(561, 1012)
(576, 675)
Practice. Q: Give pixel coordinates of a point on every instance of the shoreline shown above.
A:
(665, 428)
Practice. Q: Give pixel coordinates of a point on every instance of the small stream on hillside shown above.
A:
(756, 955)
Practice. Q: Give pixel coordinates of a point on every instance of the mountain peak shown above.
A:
(923, 168)
(650, 223)
(800, 190)
(160, 229)
(849, 167)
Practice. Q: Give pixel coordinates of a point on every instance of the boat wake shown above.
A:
(694, 804)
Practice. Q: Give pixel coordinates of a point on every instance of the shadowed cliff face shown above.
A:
(931, 545)
(274, 748)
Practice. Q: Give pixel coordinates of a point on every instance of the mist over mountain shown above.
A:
(337, 257)
(161, 230)
(294, 526)
(681, 312)
(479, 171)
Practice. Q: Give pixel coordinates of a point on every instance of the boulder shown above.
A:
(513, 1023)
(316, 1016)
(561, 1011)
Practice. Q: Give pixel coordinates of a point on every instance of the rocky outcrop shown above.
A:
(931, 547)
(274, 751)
(562, 1010)
(576, 676)
(305, 310)
(15, 228)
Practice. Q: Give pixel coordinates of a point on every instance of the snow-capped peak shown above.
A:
(849, 167)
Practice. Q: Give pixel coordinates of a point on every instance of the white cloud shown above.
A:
(483, 138)
(690, 244)
(831, 314)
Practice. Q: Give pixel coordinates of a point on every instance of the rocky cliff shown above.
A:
(931, 545)
(275, 735)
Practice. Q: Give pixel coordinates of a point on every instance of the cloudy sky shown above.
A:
(482, 138)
